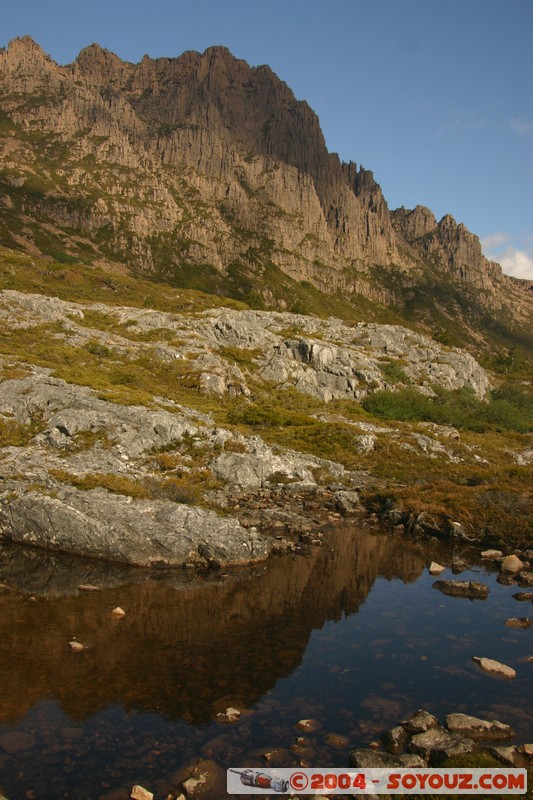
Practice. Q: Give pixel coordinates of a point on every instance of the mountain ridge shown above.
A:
(204, 171)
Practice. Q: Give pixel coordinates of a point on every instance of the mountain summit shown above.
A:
(206, 172)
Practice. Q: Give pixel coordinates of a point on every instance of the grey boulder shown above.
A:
(114, 527)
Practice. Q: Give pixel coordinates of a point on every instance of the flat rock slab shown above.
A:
(519, 622)
(471, 589)
(478, 729)
(114, 527)
(437, 744)
(495, 667)
(17, 741)
(505, 755)
(336, 740)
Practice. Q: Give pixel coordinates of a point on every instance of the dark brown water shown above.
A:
(352, 635)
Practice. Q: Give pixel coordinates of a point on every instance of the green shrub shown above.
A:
(97, 349)
(267, 416)
(393, 373)
(13, 434)
(405, 405)
(507, 408)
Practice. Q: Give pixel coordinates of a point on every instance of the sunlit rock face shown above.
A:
(203, 162)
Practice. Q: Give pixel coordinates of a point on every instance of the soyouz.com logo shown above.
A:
(248, 780)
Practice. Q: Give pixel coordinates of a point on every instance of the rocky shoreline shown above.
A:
(420, 741)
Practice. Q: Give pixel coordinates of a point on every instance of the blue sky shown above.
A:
(435, 97)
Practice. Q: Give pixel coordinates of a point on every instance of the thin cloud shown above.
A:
(494, 242)
(514, 261)
(463, 121)
(518, 263)
(521, 126)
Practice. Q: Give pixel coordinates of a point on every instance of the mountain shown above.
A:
(317, 372)
(204, 172)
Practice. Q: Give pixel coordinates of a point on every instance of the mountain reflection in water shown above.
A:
(184, 644)
(352, 634)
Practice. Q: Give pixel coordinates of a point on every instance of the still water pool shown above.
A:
(352, 635)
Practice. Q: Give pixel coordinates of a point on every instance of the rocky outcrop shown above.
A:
(326, 359)
(88, 464)
(456, 249)
(478, 729)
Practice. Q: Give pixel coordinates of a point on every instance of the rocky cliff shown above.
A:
(207, 172)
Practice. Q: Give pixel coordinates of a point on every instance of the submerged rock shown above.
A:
(336, 740)
(471, 589)
(436, 569)
(522, 622)
(16, 741)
